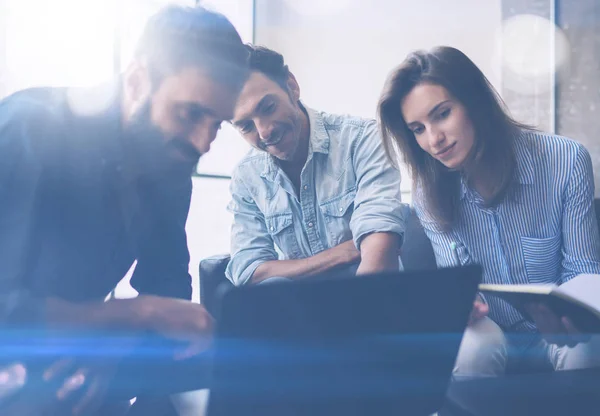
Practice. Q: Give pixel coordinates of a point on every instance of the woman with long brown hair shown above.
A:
(490, 190)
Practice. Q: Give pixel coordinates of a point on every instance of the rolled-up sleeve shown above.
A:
(377, 206)
(442, 241)
(251, 243)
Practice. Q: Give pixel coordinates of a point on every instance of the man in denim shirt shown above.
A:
(315, 193)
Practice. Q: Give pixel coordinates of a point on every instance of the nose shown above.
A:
(436, 137)
(203, 136)
(264, 129)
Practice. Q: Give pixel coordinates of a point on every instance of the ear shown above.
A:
(293, 88)
(136, 83)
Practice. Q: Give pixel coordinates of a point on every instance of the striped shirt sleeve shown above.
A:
(581, 240)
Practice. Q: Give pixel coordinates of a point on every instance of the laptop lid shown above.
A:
(383, 344)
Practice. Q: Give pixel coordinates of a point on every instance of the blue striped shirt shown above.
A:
(544, 232)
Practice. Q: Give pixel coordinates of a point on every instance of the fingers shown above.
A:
(200, 338)
(92, 398)
(58, 369)
(196, 347)
(12, 378)
(548, 323)
(479, 311)
(568, 324)
(72, 384)
(92, 384)
(575, 335)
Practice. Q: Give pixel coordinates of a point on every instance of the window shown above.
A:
(58, 43)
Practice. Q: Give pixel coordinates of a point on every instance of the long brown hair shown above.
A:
(492, 158)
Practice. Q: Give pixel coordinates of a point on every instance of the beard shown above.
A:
(288, 133)
(150, 152)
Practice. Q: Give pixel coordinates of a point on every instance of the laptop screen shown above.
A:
(381, 344)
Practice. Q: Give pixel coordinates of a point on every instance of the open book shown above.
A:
(577, 299)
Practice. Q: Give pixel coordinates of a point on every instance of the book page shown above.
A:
(584, 288)
(537, 289)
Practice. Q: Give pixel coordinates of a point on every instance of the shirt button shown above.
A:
(310, 224)
(341, 209)
(272, 228)
(305, 187)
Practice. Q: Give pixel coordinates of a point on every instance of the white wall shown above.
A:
(341, 51)
(342, 59)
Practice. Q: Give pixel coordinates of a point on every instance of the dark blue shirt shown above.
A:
(73, 218)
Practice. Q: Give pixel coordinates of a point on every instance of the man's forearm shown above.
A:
(344, 253)
(119, 314)
(379, 253)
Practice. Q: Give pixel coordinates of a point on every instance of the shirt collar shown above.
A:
(524, 169)
(319, 139)
(525, 163)
(271, 168)
(464, 189)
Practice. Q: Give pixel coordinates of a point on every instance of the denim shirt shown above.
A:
(543, 233)
(348, 189)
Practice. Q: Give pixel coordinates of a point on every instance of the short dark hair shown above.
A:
(269, 63)
(492, 156)
(180, 36)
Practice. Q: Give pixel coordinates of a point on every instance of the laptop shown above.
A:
(382, 344)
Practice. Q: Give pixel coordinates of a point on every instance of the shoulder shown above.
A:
(347, 131)
(552, 163)
(341, 121)
(419, 204)
(253, 163)
(31, 110)
(28, 118)
(550, 148)
(44, 103)
(249, 169)
(347, 123)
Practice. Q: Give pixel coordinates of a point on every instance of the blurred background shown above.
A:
(542, 55)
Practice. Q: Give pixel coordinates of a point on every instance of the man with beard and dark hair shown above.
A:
(93, 180)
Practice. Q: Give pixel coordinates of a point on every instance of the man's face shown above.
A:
(177, 121)
(269, 117)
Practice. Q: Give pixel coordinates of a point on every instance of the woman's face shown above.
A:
(439, 123)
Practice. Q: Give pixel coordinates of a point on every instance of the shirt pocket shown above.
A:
(281, 229)
(542, 258)
(337, 213)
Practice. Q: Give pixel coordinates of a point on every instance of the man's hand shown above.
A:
(177, 320)
(556, 329)
(83, 386)
(480, 310)
(342, 254)
(12, 379)
(174, 319)
(347, 252)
